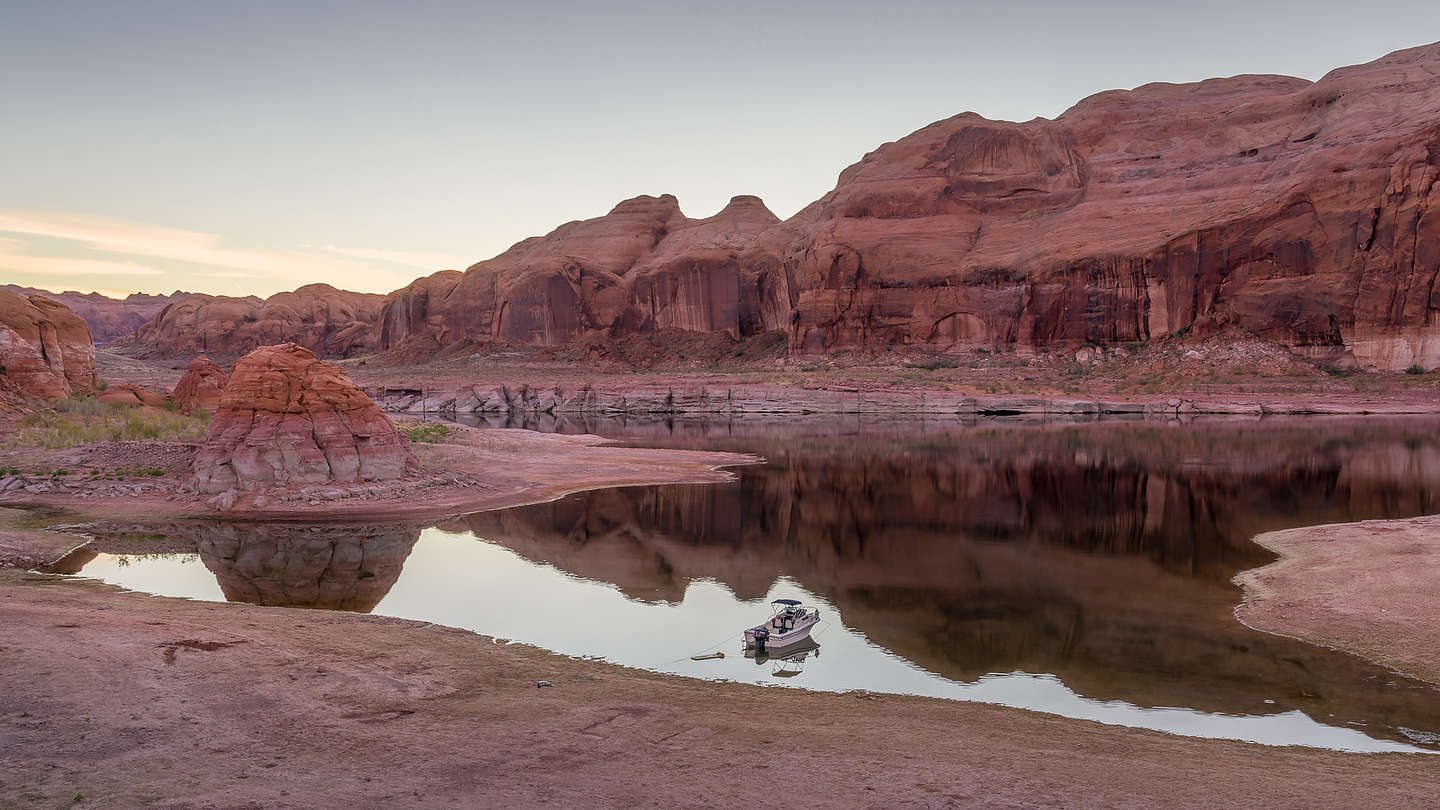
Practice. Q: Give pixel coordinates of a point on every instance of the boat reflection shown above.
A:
(787, 661)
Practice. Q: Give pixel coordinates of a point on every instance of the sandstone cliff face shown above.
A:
(201, 387)
(109, 318)
(642, 267)
(45, 350)
(1298, 211)
(288, 419)
(330, 322)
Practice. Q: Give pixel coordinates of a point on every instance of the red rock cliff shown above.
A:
(643, 266)
(1299, 211)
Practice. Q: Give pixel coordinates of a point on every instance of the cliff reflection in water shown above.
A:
(1101, 554)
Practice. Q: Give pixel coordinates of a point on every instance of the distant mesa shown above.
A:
(109, 318)
(46, 351)
(328, 321)
(286, 418)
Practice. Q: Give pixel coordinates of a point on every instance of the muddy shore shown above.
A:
(1367, 588)
(113, 699)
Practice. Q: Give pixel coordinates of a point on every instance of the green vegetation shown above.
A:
(1415, 369)
(934, 364)
(73, 422)
(427, 432)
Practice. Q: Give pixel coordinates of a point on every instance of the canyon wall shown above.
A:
(1298, 211)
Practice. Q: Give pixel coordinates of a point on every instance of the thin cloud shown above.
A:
(14, 260)
(417, 259)
(270, 269)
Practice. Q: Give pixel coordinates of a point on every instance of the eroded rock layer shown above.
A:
(1297, 211)
(46, 351)
(286, 418)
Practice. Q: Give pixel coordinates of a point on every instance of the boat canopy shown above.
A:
(790, 602)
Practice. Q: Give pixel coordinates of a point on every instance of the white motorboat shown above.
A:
(790, 624)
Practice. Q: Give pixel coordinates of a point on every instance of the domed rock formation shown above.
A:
(45, 350)
(287, 418)
(1293, 210)
(201, 386)
(330, 322)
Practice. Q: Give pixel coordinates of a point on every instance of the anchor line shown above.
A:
(711, 648)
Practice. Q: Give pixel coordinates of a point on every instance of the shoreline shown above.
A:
(427, 714)
(1319, 592)
(479, 470)
(699, 399)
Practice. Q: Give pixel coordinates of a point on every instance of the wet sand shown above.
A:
(1367, 588)
(112, 699)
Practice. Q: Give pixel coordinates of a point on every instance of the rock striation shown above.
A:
(201, 387)
(46, 351)
(1300, 212)
(286, 418)
(109, 318)
(328, 321)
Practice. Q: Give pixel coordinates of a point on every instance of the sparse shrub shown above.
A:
(1338, 371)
(427, 432)
(72, 422)
(934, 364)
(1415, 369)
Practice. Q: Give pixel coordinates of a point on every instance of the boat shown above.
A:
(790, 624)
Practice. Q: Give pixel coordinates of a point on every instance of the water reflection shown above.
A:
(276, 564)
(1094, 559)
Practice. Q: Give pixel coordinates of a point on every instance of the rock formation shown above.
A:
(131, 396)
(45, 350)
(1294, 210)
(109, 318)
(330, 322)
(642, 267)
(286, 418)
(201, 386)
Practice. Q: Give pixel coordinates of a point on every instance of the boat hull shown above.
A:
(778, 638)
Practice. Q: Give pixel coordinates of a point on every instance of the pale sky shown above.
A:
(251, 147)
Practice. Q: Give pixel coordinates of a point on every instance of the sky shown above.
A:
(252, 147)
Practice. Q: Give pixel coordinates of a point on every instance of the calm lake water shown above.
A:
(1077, 569)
